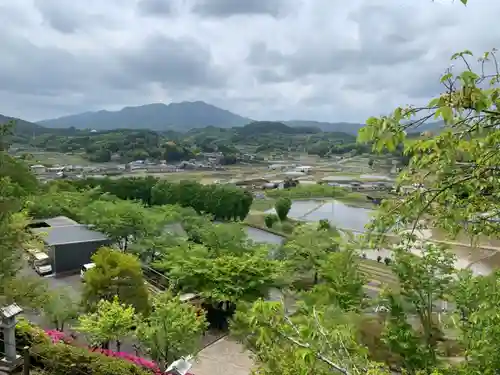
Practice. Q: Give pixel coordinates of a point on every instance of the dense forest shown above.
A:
(127, 145)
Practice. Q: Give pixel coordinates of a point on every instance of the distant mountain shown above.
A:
(342, 127)
(184, 116)
(23, 127)
(175, 116)
(266, 127)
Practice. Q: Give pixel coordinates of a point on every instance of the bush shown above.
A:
(287, 227)
(61, 358)
(270, 220)
(282, 208)
(28, 335)
(324, 224)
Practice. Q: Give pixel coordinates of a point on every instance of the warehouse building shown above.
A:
(69, 244)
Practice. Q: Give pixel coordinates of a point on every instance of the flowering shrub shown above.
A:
(55, 336)
(139, 361)
(58, 337)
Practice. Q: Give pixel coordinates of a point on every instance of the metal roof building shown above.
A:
(68, 244)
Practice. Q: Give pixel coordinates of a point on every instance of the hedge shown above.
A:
(64, 359)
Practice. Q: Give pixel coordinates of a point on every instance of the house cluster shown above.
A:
(353, 184)
(75, 171)
(291, 168)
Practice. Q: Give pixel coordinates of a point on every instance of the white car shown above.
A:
(85, 268)
(41, 263)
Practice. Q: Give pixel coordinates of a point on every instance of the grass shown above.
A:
(257, 220)
(52, 158)
(378, 272)
(262, 205)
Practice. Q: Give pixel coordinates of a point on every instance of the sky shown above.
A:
(323, 60)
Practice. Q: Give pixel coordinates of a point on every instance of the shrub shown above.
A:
(139, 361)
(282, 208)
(59, 359)
(55, 336)
(324, 224)
(28, 335)
(270, 220)
(287, 227)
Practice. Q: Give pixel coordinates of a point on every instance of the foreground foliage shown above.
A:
(112, 321)
(173, 329)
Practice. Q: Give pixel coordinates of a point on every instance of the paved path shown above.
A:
(224, 357)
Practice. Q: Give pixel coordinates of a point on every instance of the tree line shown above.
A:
(222, 202)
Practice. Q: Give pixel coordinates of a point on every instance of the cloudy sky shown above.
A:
(327, 60)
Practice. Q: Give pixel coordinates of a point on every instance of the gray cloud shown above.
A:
(227, 8)
(326, 60)
(155, 7)
(59, 17)
(176, 63)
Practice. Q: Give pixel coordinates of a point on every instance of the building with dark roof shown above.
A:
(69, 244)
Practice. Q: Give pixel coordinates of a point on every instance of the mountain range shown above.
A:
(181, 117)
(174, 116)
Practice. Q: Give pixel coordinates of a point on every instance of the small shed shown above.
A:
(38, 168)
(68, 244)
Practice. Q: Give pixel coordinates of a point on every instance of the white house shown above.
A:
(38, 168)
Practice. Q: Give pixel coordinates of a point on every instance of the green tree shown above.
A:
(5, 135)
(13, 240)
(224, 238)
(28, 292)
(461, 156)
(112, 321)
(121, 220)
(477, 303)
(150, 249)
(56, 202)
(173, 329)
(60, 306)
(314, 340)
(115, 274)
(342, 283)
(306, 251)
(226, 278)
(282, 208)
(223, 202)
(22, 180)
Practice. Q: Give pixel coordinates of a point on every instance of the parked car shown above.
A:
(41, 263)
(85, 268)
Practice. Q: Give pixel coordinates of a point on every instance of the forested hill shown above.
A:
(264, 127)
(344, 127)
(23, 130)
(178, 116)
(133, 144)
(158, 116)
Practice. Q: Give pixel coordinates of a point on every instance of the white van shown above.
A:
(41, 263)
(85, 268)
